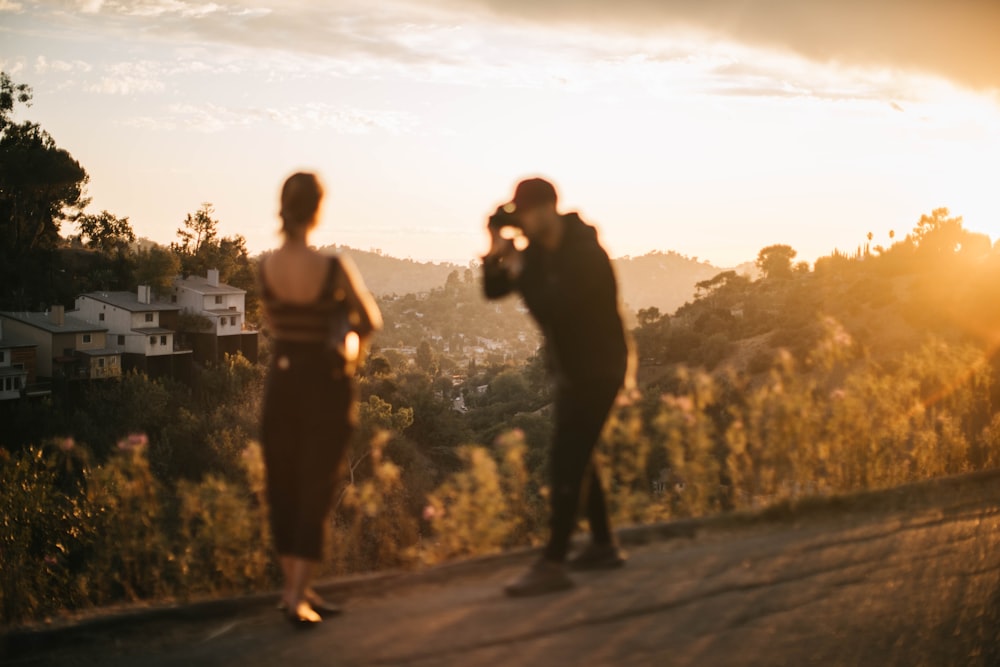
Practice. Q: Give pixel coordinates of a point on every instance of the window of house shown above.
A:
(17, 383)
(86, 338)
(112, 361)
(173, 298)
(218, 299)
(163, 340)
(100, 362)
(149, 317)
(100, 317)
(3, 356)
(121, 340)
(152, 340)
(232, 320)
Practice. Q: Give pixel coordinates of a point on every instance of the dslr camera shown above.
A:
(503, 217)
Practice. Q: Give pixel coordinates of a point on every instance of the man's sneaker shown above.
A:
(544, 576)
(598, 557)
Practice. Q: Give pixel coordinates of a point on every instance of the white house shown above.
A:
(138, 326)
(223, 307)
(221, 304)
(133, 320)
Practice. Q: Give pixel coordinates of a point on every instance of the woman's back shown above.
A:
(300, 294)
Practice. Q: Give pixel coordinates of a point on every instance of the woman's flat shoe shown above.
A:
(299, 619)
(322, 607)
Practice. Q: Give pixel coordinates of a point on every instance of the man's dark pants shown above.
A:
(581, 410)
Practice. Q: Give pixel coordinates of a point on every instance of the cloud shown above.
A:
(10, 6)
(13, 67)
(130, 79)
(396, 31)
(43, 64)
(210, 118)
(956, 39)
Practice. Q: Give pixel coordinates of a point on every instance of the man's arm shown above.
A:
(501, 267)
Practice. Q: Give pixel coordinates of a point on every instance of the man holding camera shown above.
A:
(569, 287)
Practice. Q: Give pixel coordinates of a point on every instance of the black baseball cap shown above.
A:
(529, 193)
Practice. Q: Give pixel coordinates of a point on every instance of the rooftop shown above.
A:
(44, 322)
(153, 330)
(201, 285)
(103, 352)
(9, 341)
(129, 301)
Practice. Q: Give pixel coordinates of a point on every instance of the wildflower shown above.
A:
(430, 513)
(133, 442)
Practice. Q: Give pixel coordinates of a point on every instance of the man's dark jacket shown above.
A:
(572, 294)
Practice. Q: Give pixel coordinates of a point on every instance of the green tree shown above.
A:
(775, 261)
(425, 359)
(156, 266)
(41, 185)
(647, 316)
(105, 232)
(199, 248)
(200, 229)
(10, 94)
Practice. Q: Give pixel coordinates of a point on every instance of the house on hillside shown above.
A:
(17, 365)
(215, 324)
(66, 346)
(141, 329)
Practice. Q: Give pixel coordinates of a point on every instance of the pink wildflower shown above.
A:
(133, 442)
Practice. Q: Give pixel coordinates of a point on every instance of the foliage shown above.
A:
(43, 521)
(775, 261)
(371, 528)
(485, 507)
(106, 232)
(156, 266)
(11, 93)
(40, 184)
(199, 248)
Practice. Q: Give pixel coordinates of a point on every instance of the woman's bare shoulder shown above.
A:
(295, 275)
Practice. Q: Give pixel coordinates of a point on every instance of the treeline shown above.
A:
(43, 188)
(939, 280)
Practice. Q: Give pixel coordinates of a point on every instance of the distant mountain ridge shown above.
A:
(664, 280)
(385, 275)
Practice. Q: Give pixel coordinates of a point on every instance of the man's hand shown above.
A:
(504, 254)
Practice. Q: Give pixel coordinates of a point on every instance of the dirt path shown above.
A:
(907, 577)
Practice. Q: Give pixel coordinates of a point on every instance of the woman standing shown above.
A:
(319, 315)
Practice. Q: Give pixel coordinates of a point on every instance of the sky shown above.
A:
(712, 128)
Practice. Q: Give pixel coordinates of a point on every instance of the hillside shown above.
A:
(664, 280)
(385, 275)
